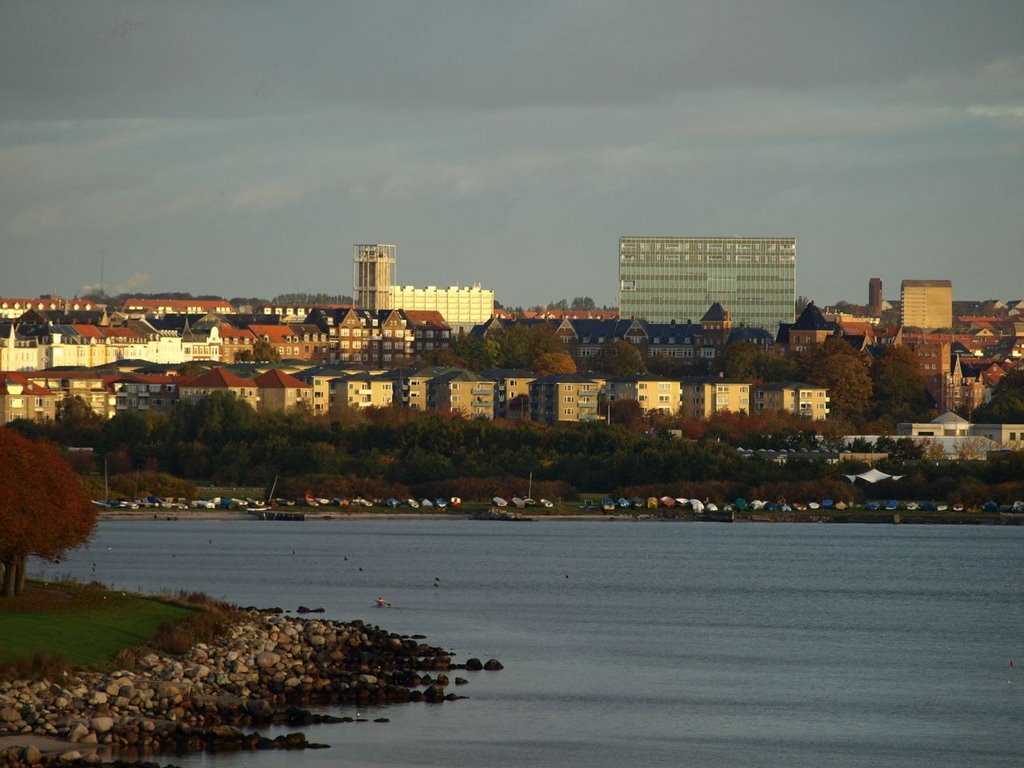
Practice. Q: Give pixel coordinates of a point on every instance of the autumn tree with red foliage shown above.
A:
(43, 509)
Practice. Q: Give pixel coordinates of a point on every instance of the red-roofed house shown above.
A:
(295, 342)
(23, 399)
(177, 306)
(233, 342)
(221, 380)
(280, 392)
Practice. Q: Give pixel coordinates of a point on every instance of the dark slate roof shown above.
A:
(811, 319)
(782, 337)
(715, 314)
(507, 373)
(755, 335)
(564, 378)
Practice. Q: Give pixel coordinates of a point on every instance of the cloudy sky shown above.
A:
(242, 148)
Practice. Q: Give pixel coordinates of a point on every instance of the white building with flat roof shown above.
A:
(461, 307)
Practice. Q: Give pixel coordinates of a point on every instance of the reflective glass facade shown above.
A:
(662, 279)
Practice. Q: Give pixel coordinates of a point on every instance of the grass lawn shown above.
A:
(86, 624)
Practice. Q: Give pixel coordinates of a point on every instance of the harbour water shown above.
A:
(638, 644)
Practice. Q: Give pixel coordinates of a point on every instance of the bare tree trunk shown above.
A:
(9, 576)
(22, 574)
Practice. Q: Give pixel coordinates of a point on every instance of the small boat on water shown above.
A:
(667, 501)
(518, 503)
(912, 505)
(827, 503)
(440, 502)
(697, 506)
(623, 502)
(546, 503)
(872, 506)
(413, 503)
(814, 505)
(891, 504)
(608, 504)
(455, 501)
(391, 503)
(841, 505)
(426, 503)
(499, 502)
(636, 502)
(652, 502)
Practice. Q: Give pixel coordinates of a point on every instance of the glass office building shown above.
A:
(662, 279)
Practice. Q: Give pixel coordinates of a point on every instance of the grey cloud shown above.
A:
(185, 59)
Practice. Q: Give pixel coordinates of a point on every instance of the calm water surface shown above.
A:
(643, 644)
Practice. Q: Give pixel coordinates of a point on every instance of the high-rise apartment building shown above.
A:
(665, 279)
(926, 303)
(374, 269)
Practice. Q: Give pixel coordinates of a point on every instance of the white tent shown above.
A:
(872, 476)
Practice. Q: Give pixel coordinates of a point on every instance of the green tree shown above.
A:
(548, 363)
(264, 352)
(583, 302)
(1007, 404)
(77, 423)
(899, 390)
(618, 358)
(839, 367)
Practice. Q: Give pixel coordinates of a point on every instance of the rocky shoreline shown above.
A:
(266, 670)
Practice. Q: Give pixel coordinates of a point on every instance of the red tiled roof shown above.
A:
(88, 331)
(29, 387)
(278, 333)
(426, 317)
(228, 332)
(275, 379)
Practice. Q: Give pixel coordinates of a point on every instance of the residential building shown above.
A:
(665, 279)
(429, 329)
(374, 269)
(464, 392)
(564, 397)
(809, 330)
(807, 400)
(280, 392)
(142, 393)
(655, 394)
(89, 385)
(221, 380)
(361, 390)
(511, 391)
(21, 398)
(926, 303)
(703, 396)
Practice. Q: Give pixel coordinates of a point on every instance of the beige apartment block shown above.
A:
(462, 392)
(927, 303)
(655, 394)
(90, 386)
(805, 400)
(360, 390)
(511, 391)
(23, 399)
(280, 392)
(221, 380)
(701, 397)
(564, 397)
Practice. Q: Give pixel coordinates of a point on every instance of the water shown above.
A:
(638, 644)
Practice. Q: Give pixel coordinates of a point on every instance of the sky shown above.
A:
(241, 149)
